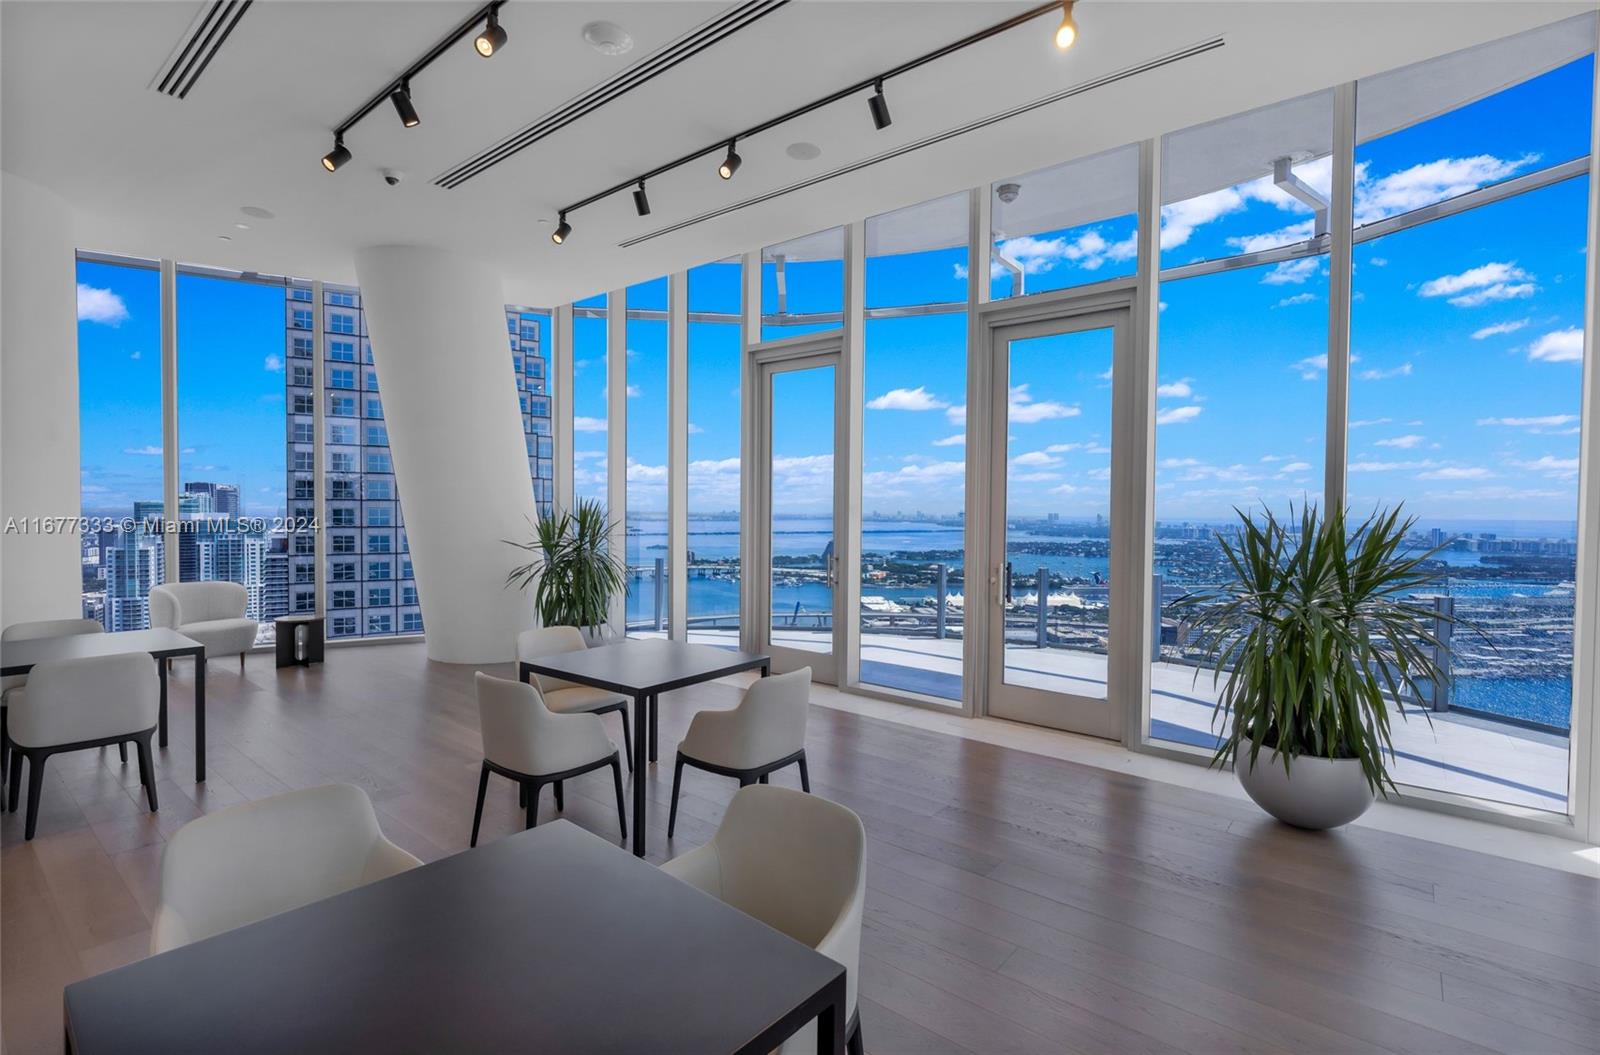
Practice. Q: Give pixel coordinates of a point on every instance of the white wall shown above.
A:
(439, 343)
(40, 574)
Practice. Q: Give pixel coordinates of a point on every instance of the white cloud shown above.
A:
(1032, 478)
(1090, 447)
(1561, 346)
(1312, 366)
(100, 305)
(1543, 421)
(1298, 298)
(1292, 272)
(1035, 458)
(1558, 468)
(695, 430)
(1364, 423)
(273, 363)
(1456, 472)
(1499, 328)
(1403, 370)
(956, 415)
(1177, 415)
(633, 392)
(907, 399)
(1294, 467)
(1404, 443)
(1177, 463)
(1430, 182)
(583, 424)
(1485, 284)
(148, 451)
(1389, 467)
(1088, 250)
(1023, 410)
(952, 441)
(1179, 389)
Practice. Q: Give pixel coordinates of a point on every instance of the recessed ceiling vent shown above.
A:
(209, 31)
(646, 69)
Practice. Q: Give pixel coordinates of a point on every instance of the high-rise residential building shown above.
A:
(223, 498)
(532, 366)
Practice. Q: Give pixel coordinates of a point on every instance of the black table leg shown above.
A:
(641, 765)
(161, 671)
(654, 706)
(831, 1022)
(766, 670)
(200, 716)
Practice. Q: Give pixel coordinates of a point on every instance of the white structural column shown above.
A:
(460, 459)
(40, 571)
(678, 454)
(617, 444)
(1585, 781)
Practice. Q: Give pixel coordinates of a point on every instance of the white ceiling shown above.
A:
(154, 176)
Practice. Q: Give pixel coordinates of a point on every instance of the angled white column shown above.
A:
(438, 329)
(41, 572)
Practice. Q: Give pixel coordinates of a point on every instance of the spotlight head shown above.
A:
(336, 157)
(563, 229)
(492, 39)
(401, 97)
(879, 107)
(641, 203)
(1067, 32)
(731, 163)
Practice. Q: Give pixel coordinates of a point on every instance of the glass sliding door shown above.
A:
(799, 397)
(1052, 526)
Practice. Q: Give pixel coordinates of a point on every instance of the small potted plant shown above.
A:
(1319, 634)
(574, 573)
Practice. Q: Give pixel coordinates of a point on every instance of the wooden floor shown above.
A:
(1017, 904)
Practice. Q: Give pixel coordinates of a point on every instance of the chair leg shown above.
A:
(627, 739)
(533, 806)
(17, 758)
(622, 813)
(805, 775)
(241, 663)
(477, 814)
(852, 1043)
(35, 789)
(147, 769)
(561, 798)
(522, 795)
(122, 753)
(677, 778)
(762, 779)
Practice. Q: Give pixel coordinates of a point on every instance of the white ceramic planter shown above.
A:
(1317, 793)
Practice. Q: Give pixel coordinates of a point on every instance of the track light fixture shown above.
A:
(492, 39)
(1067, 32)
(879, 107)
(337, 156)
(641, 203)
(731, 163)
(401, 97)
(563, 229)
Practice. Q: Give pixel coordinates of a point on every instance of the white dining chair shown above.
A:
(255, 860)
(567, 697)
(525, 741)
(798, 864)
(75, 704)
(767, 731)
(212, 613)
(33, 631)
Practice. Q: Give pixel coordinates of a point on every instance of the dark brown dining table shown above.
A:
(550, 940)
(19, 657)
(644, 668)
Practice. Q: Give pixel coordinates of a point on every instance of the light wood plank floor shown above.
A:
(1017, 904)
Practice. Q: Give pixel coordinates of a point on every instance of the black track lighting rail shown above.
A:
(455, 36)
(817, 104)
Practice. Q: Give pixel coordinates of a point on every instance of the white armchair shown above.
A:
(248, 862)
(568, 697)
(212, 613)
(33, 631)
(73, 704)
(525, 741)
(798, 864)
(767, 731)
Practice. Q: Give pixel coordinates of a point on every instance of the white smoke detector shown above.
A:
(607, 38)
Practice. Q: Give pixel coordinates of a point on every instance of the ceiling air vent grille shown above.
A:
(205, 38)
(681, 50)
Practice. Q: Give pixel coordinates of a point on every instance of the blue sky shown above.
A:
(1464, 395)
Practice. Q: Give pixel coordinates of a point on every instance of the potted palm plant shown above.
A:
(1318, 635)
(573, 572)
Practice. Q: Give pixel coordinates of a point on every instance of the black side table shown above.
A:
(299, 639)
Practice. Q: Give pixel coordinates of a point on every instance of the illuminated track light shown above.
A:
(879, 107)
(641, 203)
(492, 39)
(1067, 32)
(401, 97)
(563, 230)
(731, 163)
(336, 157)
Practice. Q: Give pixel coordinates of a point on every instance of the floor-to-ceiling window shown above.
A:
(649, 570)
(713, 573)
(1465, 403)
(233, 505)
(589, 400)
(1067, 225)
(913, 494)
(1241, 369)
(802, 285)
(120, 432)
